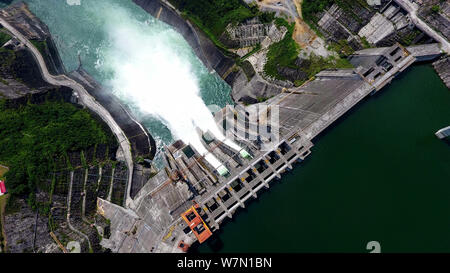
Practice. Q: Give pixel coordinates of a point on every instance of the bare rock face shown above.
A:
(29, 25)
(26, 231)
(21, 70)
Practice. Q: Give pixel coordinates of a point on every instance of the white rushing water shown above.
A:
(158, 81)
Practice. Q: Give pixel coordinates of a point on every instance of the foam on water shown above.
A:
(146, 63)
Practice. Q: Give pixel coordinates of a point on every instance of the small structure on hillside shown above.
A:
(2, 188)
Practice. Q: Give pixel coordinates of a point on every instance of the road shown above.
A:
(412, 10)
(288, 7)
(84, 98)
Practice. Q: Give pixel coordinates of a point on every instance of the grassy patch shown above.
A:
(7, 57)
(4, 37)
(365, 43)
(41, 46)
(342, 48)
(407, 40)
(435, 8)
(319, 63)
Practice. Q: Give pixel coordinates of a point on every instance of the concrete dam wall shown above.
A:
(142, 143)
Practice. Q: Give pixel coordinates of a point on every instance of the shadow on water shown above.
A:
(447, 141)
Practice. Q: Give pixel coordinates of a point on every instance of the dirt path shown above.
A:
(303, 34)
(305, 37)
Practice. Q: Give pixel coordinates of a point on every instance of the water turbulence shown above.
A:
(156, 79)
(145, 62)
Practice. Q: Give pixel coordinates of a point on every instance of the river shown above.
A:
(89, 29)
(378, 174)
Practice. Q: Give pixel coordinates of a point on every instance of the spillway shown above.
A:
(147, 64)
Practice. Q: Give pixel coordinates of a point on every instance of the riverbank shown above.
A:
(377, 174)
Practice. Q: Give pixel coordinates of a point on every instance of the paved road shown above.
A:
(85, 99)
(412, 10)
(287, 8)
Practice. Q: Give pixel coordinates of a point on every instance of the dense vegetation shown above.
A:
(34, 136)
(311, 7)
(212, 16)
(282, 54)
(4, 37)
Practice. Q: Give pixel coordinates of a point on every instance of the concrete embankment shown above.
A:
(142, 143)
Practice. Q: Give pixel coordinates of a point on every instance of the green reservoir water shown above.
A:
(380, 174)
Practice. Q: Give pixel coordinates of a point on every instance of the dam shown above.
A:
(188, 199)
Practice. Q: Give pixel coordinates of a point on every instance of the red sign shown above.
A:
(2, 187)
